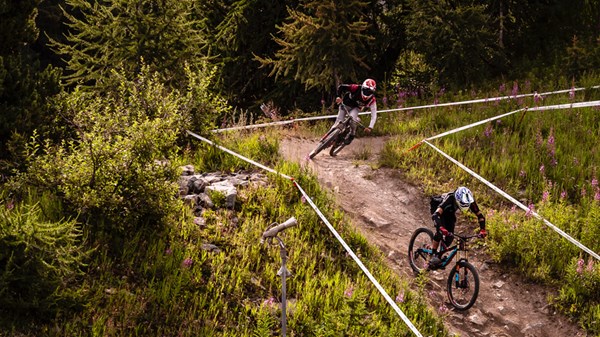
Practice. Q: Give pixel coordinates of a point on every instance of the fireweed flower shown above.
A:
(563, 194)
(443, 309)
(542, 169)
(168, 251)
(572, 93)
(349, 291)
(594, 182)
(597, 196)
(400, 297)
(269, 301)
(522, 173)
(187, 263)
(580, 263)
(531, 209)
(545, 196)
(488, 131)
(515, 89)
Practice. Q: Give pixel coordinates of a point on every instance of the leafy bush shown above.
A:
(119, 168)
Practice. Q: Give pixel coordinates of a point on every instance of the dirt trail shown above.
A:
(386, 210)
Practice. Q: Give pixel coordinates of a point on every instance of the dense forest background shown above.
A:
(290, 53)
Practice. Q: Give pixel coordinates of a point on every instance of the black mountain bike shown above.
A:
(463, 280)
(335, 137)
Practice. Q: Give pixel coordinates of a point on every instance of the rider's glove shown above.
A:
(482, 233)
(368, 130)
(436, 218)
(445, 231)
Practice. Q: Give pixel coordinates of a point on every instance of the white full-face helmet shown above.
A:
(464, 198)
(367, 89)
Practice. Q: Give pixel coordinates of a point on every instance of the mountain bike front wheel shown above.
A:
(419, 249)
(324, 143)
(463, 285)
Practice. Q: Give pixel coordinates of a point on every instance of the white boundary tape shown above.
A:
(501, 192)
(331, 228)
(481, 100)
(541, 108)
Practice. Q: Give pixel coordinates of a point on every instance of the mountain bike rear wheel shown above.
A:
(463, 285)
(419, 249)
(324, 143)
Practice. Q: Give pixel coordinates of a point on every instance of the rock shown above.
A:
(210, 247)
(198, 185)
(191, 199)
(205, 201)
(498, 284)
(227, 189)
(187, 170)
(375, 220)
(477, 319)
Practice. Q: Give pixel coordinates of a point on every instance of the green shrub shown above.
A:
(119, 171)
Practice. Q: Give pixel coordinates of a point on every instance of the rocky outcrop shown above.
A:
(212, 190)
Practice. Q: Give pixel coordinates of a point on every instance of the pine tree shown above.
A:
(122, 34)
(25, 85)
(322, 44)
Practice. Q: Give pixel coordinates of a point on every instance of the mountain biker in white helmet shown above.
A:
(355, 97)
(444, 209)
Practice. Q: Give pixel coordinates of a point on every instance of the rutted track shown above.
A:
(386, 210)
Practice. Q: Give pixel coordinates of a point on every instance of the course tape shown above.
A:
(331, 228)
(516, 202)
(539, 108)
(480, 100)
(359, 263)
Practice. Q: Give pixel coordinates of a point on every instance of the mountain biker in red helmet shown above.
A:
(444, 217)
(355, 97)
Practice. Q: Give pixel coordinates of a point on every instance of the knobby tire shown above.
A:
(417, 259)
(472, 283)
(324, 143)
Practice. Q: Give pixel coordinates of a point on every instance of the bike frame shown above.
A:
(453, 250)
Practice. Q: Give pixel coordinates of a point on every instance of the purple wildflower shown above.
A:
(400, 297)
(590, 266)
(545, 196)
(349, 291)
(542, 169)
(575, 161)
(515, 89)
(594, 182)
(597, 195)
(187, 263)
(10, 205)
(580, 264)
(522, 173)
(168, 251)
(530, 210)
(269, 301)
(583, 192)
(443, 309)
(563, 194)
(572, 93)
(488, 131)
